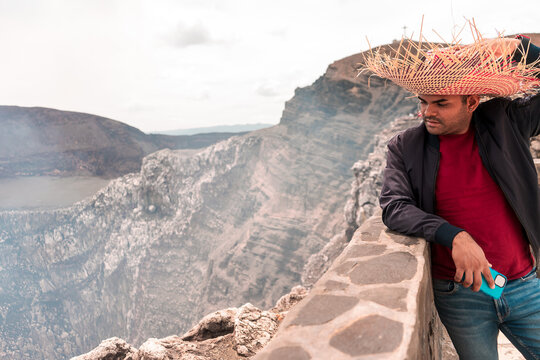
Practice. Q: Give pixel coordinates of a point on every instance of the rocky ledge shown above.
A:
(230, 334)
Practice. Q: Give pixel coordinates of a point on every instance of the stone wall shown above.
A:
(374, 301)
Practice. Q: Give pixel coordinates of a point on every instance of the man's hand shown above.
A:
(502, 46)
(470, 261)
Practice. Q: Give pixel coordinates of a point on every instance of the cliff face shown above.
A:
(154, 251)
(362, 202)
(41, 141)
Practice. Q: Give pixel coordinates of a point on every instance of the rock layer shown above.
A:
(362, 202)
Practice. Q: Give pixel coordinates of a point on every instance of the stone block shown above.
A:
(390, 268)
(364, 250)
(332, 285)
(288, 353)
(323, 308)
(391, 297)
(371, 335)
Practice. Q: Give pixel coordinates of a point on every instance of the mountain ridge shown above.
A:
(236, 128)
(42, 141)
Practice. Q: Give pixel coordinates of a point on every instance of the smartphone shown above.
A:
(500, 283)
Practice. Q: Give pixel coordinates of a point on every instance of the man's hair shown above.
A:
(464, 98)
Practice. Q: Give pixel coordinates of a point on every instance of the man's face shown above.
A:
(446, 114)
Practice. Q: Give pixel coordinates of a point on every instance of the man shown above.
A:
(465, 181)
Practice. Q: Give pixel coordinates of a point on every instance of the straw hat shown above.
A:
(485, 67)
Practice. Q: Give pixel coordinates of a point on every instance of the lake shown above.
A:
(46, 192)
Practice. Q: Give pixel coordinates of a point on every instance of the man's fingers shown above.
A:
(470, 259)
(488, 277)
(468, 279)
(477, 281)
(459, 275)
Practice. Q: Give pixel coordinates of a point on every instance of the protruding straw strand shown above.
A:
(441, 66)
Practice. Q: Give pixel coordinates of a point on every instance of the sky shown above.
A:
(163, 64)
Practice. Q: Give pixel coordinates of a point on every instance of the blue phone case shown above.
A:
(500, 283)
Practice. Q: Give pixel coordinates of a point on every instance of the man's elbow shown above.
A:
(387, 212)
(393, 216)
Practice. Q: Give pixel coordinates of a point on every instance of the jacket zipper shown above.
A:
(491, 173)
(435, 181)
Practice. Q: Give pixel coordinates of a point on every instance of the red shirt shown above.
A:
(467, 197)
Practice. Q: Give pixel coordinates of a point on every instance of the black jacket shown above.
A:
(502, 129)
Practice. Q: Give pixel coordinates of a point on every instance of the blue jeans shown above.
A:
(473, 319)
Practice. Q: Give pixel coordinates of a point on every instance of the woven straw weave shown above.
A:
(454, 69)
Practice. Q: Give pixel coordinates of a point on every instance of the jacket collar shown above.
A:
(432, 140)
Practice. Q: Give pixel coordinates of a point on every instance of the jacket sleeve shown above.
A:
(525, 112)
(401, 212)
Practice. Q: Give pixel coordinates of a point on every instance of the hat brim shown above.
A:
(454, 70)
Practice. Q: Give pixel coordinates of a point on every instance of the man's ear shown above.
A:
(472, 102)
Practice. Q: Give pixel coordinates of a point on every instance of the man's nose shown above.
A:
(429, 110)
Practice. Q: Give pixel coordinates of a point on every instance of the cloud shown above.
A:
(197, 34)
(267, 90)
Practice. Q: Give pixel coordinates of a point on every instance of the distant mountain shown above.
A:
(215, 129)
(42, 141)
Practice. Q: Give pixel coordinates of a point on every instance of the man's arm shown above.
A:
(526, 112)
(401, 213)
